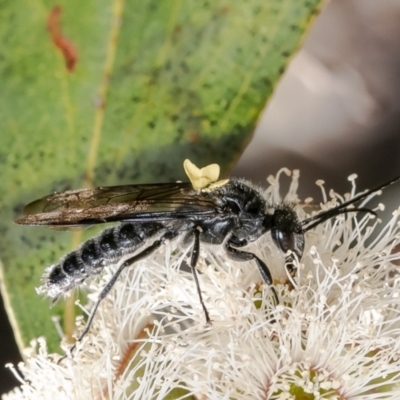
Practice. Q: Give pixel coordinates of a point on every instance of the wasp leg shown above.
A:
(193, 262)
(290, 269)
(127, 263)
(240, 255)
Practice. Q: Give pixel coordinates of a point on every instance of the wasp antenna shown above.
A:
(342, 208)
(325, 216)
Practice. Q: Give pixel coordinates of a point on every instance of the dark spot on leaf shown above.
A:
(26, 241)
(266, 81)
(177, 30)
(185, 67)
(310, 5)
(168, 65)
(17, 209)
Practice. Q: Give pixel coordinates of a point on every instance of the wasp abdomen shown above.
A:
(95, 254)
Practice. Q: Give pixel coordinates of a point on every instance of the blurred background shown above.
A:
(335, 112)
(337, 109)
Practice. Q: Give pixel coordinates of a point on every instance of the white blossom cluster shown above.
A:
(334, 335)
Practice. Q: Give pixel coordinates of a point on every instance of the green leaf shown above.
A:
(155, 82)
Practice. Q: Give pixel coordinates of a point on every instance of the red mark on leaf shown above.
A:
(61, 42)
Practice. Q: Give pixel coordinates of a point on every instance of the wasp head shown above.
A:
(286, 229)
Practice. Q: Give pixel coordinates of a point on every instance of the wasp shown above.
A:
(231, 213)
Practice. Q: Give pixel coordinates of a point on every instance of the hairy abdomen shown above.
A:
(95, 254)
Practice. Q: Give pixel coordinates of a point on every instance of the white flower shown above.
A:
(334, 336)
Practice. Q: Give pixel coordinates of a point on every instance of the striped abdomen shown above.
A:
(95, 254)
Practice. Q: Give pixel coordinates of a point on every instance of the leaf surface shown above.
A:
(115, 92)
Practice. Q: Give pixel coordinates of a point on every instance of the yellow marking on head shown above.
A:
(205, 178)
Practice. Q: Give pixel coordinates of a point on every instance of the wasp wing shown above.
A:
(148, 202)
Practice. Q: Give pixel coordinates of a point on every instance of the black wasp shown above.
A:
(231, 213)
